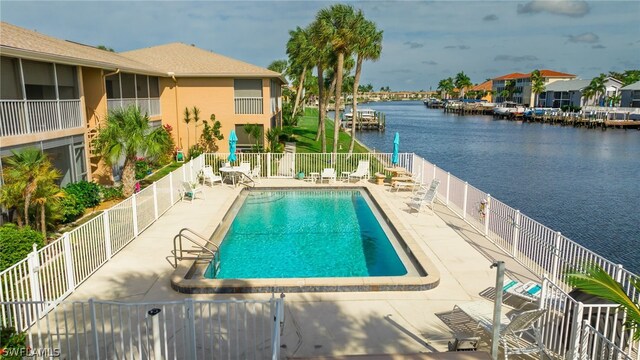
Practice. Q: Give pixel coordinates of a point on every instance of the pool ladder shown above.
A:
(208, 250)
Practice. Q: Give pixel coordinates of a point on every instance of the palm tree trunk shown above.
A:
(43, 223)
(129, 176)
(31, 187)
(321, 109)
(336, 122)
(354, 108)
(299, 93)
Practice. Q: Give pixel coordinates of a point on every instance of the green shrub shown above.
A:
(195, 151)
(11, 339)
(111, 192)
(142, 168)
(70, 208)
(87, 193)
(16, 244)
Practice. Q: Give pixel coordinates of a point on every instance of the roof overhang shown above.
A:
(68, 60)
(231, 75)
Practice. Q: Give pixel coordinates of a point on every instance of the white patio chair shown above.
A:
(518, 335)
(208, 176)
(412, 184)
(329, 174)
(255, 173)
(424, 197)
(190, 191)
(361, 172)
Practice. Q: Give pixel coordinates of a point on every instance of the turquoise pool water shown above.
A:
(298, 234)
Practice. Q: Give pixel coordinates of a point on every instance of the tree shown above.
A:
(462, 81)
(596, 88)
(628, 77)
(102, 47)
(279, 66)
(385, 88)
(320, 52)
(23, 173)
(445, 86)
(48, 194)
(537, 85)
(211, 134)
(595, 281)
(614, 100)
(509, 90)
(127, 134)
(254, 131)
(336, 25)
(367, 46)
(196, 117)
(187, 119)
(300, 59)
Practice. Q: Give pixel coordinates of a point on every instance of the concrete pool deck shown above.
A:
(324, 324)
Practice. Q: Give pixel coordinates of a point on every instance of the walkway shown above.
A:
(324, 324)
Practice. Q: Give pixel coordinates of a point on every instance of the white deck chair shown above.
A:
(329, 174)
(208, 176)
(413, 184)
(190, 191)
(424, 196)
(518, 335)
(362, 172)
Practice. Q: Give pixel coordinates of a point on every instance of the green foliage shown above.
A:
(142, 168)
(255, 132)
(211, 134)
(279, 66)
(195, 151)
(288, 119)
(70, 208)
(16, 244)
(596, 281)
(111, 192)
(11, 339)
(570, 108)
(86, 193)
(273, 138)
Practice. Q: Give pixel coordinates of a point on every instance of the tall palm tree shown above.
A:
(337, 24)
(127, 134)
(47, 194)
(279, 66)
(537, 85)
(367, 46)
(299, 51)
(320, 52)
(597, 87)
(446, 86)
(509, 89)
(187, 120)
(595, 281)
(462, 81)
(23, 173)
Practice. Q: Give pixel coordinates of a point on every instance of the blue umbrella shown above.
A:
(396, 146)
(233, 139)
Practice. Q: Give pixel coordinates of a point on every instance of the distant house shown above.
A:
(523, 94)
(630, 95)
(486, 88)
(569, 93)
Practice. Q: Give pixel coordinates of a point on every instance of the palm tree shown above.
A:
(509, 89)
(537, 85)
(23, 173)
(614, 100)
(337, 29)
(320, 52)
(462, 81)
(595, 281)
(300, 60)
(196, 117)
(127, 134)
(187, 120)
(596, 88)
(279, 66)
(367, 46)
(446, 86)
(48, 194)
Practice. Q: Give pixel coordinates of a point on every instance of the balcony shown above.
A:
(248, 105)
(150, 106)
(22, 117)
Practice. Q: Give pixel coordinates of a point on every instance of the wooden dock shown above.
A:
(378, 122)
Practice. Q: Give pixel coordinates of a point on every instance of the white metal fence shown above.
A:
(20, 117)
(51, 273)
(187, 329)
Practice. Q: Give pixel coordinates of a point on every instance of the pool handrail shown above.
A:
(178, 250)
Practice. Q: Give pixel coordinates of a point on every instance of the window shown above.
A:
(67, 82)
(11, 88)
(39, 81)
(128, 86)
(154, 89)
(246, 140)
(141, 86)
(112, 84)
(251, 88)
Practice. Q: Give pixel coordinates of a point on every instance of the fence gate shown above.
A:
(188, 329)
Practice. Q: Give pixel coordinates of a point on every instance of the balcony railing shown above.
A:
(21, 117)
(248, 105)
(149, 106)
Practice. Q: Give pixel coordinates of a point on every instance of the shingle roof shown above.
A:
(15, 40)
(634, 86)
(484, 86)
(567, 85)
(185, 60)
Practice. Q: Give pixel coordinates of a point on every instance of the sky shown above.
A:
(424, 41)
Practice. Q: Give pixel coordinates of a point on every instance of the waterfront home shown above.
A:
(569, 93)
(522, 93)
(486, 88)
(630, 95)
(55, 94)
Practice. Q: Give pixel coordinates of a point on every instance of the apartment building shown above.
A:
(55, 94)
(520, 84)
(570, 93)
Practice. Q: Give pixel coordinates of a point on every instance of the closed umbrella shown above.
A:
(396, 146)
(233, 139)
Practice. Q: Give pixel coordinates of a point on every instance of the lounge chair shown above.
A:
(329, 174)
(518, 335)
(209, 176)
(190, 191)
(424, 196)
(469, 343)
(530, 291)
(255, 173)
(362, 171)
(413, 184)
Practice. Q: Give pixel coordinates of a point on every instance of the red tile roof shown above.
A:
(484, 86)
(544, 73)
(551, 73)
(512, 76)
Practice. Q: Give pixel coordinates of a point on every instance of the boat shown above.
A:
(504, 108)
(367, 119)
(433, 103)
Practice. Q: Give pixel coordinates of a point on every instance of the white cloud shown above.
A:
(588, 37)
(558, 7)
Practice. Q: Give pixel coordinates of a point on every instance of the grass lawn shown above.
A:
(161, 173)
(305, 134)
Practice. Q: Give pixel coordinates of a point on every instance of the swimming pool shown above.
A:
(305, 234)
(362, 246)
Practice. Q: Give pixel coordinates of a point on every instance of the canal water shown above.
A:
(584, 183)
